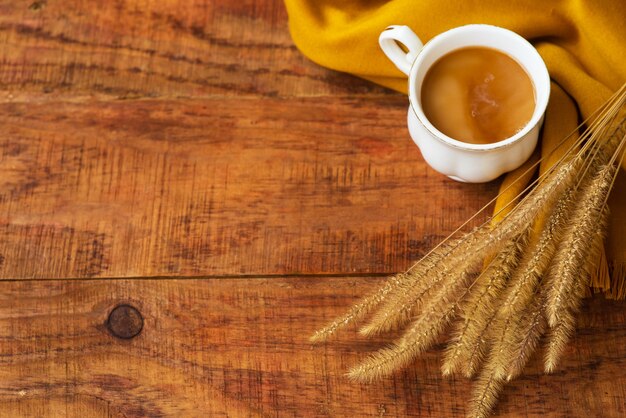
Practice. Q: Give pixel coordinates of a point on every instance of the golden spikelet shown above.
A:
(420, 336)
(514, 339)
(359, 310)
(398, 310)
(476, 311)
(479, 344)
(399, 354)
(502, 338)
(562, 330)
(519, 303)
(530, 327)
(589, 217)
(380, 364)
(485, 394)
(558, 337)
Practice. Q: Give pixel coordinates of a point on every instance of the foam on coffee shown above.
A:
(478, 95)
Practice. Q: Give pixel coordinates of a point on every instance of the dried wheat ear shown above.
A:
(541, 255)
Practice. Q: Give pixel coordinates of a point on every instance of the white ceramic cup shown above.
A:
(462, 161)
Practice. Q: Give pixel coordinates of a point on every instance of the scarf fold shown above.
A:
(582, 42)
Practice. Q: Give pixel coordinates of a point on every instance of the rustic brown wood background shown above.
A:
(183, 158)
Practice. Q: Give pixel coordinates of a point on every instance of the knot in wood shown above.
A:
(125, 322)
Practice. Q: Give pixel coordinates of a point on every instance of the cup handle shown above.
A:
(388, 41)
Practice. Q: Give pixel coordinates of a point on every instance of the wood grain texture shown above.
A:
(238, 348)
(218, 187)
(148, 48)
(192, 142)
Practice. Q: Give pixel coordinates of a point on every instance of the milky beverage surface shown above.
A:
(478, 95)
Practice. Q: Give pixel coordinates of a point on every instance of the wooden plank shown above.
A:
(218, 187)
(238, 347)
(141, 48)
(276, 167)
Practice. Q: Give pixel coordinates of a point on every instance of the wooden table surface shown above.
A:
(184, 198)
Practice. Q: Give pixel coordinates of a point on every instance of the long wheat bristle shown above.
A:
(477, 309)
(587, 218)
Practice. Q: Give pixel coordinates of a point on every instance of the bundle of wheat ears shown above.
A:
(503, 287)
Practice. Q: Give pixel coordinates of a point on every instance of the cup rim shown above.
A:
(540, 105)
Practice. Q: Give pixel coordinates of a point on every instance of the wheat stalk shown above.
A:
(515, 318)
(398, 309)
(475, 339)
(528, 285)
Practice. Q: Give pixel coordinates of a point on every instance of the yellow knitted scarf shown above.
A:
(582, 42)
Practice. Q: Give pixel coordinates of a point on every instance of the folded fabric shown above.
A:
(582, 42)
